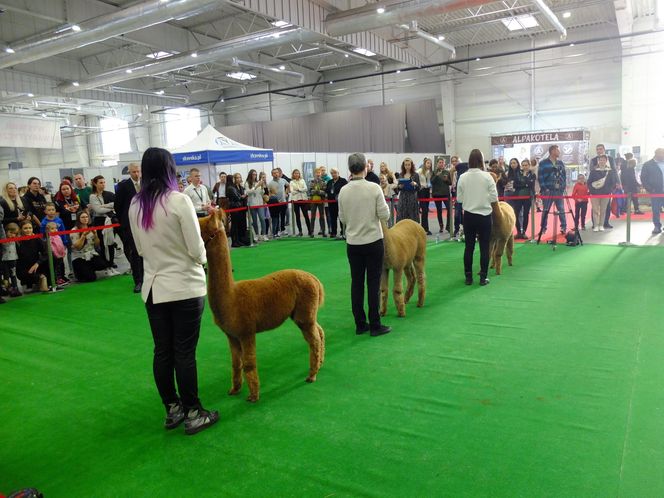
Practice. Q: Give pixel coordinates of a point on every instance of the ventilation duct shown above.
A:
(366, 18)
(220, 51)
(133, 18)
(256, 65)
(414, 30)
(548, 13)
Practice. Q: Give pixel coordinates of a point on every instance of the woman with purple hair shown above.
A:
(168, 237)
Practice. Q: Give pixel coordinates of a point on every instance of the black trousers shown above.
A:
(608, 213)
(239, 235)
(424, 208)
(580, 210)
(84, 271)
(439, 213)
(333, 208)
(301, 208)
(458, 217)
(131, 253)
(366, 259)
(522, 212)
(175, 329)
(476, 226)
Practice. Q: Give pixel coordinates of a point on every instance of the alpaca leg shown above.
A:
(312, 336)
(410, 282)
(510, 249)
(421, 281)
(321, 334)
(492, 253)
(384, 288)
(236, 361)
(397, 292)
(249, 366)
(498, 255)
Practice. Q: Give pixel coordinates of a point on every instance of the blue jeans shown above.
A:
(560, 208)
(657, 203)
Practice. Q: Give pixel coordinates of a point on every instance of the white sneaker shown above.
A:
(595, 229)
(601, 229)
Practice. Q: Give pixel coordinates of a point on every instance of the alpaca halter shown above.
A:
(217, 232)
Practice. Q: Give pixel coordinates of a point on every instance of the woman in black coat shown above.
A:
(238, 199)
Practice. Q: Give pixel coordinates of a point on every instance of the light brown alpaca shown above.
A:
(405, 252)
(242, 309)
(503, 222)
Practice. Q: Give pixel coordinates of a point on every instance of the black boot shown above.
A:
(483, 279)
(469, 278)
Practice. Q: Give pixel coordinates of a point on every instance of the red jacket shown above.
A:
(580, 192)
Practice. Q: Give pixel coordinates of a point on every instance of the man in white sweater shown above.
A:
(361, 208)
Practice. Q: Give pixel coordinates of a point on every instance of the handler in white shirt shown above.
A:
(361, 209)
(198, 193)
(477, 192)
(168, 237)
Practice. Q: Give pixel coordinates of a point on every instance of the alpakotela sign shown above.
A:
(541, 137)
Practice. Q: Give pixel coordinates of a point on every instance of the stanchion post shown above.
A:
(292, 218)
(51, 266)
(628, 228)
(533, 211)
(250, 227)
(453, 208)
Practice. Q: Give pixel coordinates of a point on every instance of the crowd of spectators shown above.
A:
(30, 209)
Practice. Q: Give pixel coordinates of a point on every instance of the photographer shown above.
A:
(552, 180)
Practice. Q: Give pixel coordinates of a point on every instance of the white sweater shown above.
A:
(476, 190)
(173, 250)
(298, 190)
(361, 207)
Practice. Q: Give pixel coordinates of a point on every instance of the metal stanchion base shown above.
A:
(627, 244)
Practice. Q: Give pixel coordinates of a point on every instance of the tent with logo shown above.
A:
(211, 151)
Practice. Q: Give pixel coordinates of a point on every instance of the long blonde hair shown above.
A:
(10, 203)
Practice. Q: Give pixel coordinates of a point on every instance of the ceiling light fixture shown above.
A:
(194, 54)
(398, 71)
(30, 95)
(363, 51)
(380, 10)
(517, 23)
(75, 27)
(280, 24)
(128, 71)
(478, 59)
(239, 75)
(75, 83)
(346, 55)
(158, 55)
(567, 15)
(282, 67)
(159, 92)
(441, 37)
(10, 50)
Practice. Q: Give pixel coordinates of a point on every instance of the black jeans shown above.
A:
(175, 327)
(333, 208)
(424, 208)
(301, 208)
(522, 212)
(476, 225)
(366, 259)
(439, 214)
(580, 210)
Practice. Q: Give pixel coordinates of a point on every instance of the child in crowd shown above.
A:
(272, 200)
(59, 252)
(51, 216)
(580, 194)
(9, 259)
(32, 264)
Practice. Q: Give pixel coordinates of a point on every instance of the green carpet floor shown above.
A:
(548, 382)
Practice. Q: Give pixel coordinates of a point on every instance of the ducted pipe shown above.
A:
(256, 65)
(367, 18)
(413, 29)
(349, 53)
(553, 19)
(223, 50)
(133, 18)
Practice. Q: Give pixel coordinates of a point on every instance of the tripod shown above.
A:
(556, 214)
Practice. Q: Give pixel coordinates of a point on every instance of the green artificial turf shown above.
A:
(548, 382)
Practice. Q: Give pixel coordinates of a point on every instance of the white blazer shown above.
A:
(173, 251)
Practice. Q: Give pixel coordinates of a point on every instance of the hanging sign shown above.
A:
(34, 133)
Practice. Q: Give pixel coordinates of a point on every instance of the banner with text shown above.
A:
(34, 133)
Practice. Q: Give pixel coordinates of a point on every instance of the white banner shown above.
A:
(35, 133)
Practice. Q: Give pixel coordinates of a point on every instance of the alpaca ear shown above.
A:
(220, 218)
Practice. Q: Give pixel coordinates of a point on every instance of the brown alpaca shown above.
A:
(242, 309)
(405, 252)
(503, 222)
